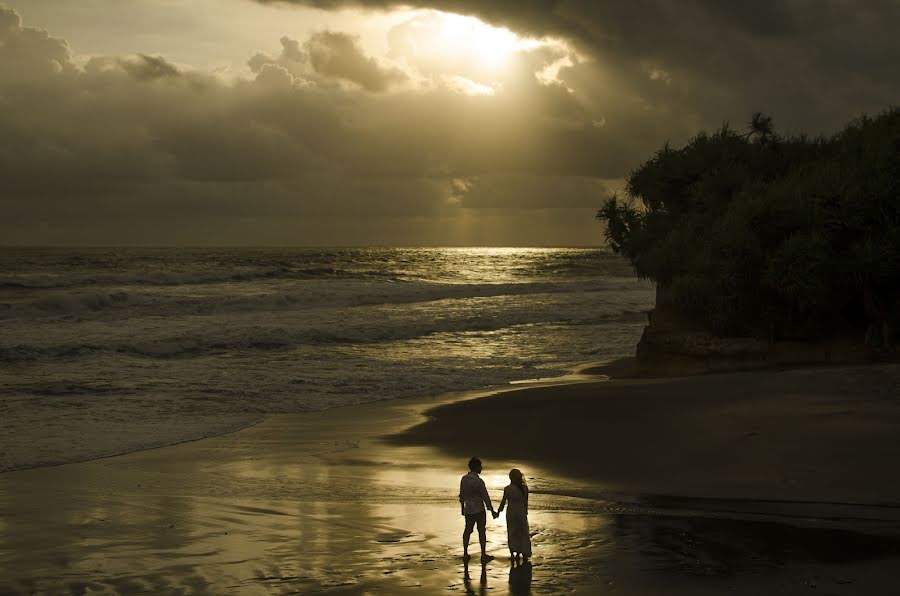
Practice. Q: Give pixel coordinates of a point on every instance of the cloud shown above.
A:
(10, 21)
(137, 149)
(339, 55)
(292, 60)
(505, 191)
(327, 56)
(148, 67)
(28, 54)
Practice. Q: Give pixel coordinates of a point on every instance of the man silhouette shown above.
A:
(473, 497)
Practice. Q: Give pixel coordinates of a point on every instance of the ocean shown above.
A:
(105, 351)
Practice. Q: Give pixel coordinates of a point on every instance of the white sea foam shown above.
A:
(155, 277)
(307, 294)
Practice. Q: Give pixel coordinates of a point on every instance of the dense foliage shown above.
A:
(778, 237)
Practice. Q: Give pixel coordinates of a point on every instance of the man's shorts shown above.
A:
(476, 518)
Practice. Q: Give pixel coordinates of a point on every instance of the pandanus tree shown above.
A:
(761, 127)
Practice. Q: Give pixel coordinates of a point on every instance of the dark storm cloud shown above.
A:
(812, 63)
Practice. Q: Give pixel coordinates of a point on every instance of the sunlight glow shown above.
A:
(454, 39)
(491, 46)
(469, 56)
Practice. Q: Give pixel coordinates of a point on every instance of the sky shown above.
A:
(439, 122)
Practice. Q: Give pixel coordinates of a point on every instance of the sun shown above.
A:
(491, 47)
(461, 44)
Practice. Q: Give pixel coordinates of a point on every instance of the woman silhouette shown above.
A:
(516, 496)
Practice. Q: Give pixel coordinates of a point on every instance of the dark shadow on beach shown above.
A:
(733, 548)
(520, 577)
(482, 580)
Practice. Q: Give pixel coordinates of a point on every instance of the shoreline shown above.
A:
(573, 375)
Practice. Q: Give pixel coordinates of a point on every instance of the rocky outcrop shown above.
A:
(668, 353)
(673, 346)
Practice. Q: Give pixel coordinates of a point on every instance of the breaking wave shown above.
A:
(309, 294)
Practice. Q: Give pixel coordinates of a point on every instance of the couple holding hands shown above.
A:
(475, 502)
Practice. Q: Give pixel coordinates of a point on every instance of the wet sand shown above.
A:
(826, 435)
(333, 502)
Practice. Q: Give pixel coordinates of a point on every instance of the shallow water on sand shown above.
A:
(319, 503)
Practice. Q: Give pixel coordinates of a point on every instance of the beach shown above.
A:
(638, 487)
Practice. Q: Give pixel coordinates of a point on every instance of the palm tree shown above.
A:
(761, 127)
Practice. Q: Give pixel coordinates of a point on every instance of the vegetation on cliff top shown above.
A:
(755, 234)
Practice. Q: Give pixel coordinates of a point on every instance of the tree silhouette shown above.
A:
(761, 128)
(798, 238)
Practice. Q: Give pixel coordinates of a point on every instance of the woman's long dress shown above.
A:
(517, 520)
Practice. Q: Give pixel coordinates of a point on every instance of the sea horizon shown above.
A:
(598, 246)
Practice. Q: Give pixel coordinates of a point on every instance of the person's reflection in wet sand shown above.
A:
(520, 577)
(467, 580)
